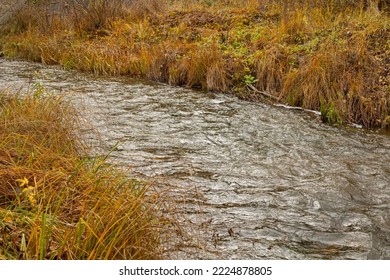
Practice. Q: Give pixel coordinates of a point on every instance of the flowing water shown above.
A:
(251, 181)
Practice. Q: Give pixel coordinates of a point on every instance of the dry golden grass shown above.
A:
(58, 202)
(143, 8)
(272, 68)
(217, 78)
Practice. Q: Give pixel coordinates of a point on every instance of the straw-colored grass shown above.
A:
(330, 56)
(58, 202)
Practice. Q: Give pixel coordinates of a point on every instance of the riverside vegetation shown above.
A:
(58, 202)
(330, 56)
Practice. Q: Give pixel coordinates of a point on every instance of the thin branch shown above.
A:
(263, 93)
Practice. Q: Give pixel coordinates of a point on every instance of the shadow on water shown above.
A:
(251, 181)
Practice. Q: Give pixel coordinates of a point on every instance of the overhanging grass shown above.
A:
(57, 202)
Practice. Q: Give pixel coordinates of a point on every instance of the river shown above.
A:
(250, 181)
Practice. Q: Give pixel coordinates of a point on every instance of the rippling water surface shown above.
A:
(252, 181)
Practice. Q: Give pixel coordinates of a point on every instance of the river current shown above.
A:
(250, 181)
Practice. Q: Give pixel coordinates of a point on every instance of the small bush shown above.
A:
(31, 15)
(96, 14)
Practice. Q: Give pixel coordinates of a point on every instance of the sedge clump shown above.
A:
(57, 200)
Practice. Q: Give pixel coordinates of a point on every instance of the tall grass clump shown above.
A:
(341, 72)
(58, 202)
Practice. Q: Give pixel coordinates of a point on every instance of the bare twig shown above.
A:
(263, 93)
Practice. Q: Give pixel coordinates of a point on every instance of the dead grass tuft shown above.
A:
(272, 67)
(58, 202)
(144, 8)
(337, 81)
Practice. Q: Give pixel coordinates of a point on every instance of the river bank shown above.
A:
(246, 180)
(331, 57)
(57, 200)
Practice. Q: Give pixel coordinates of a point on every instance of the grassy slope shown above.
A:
(322, 57)
(56, 202)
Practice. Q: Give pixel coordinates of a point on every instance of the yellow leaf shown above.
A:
(28, 189)
(32, 199)
(22, 182)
